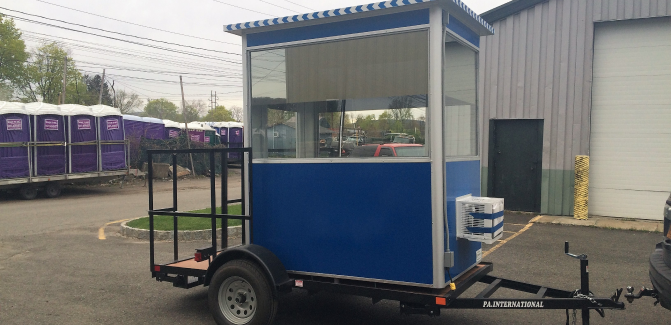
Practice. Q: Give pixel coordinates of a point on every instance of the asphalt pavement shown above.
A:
(55, 270)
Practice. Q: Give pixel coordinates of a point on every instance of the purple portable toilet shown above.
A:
(235, 139)
(49, 152)
(133, 126)
(82, 138)
(112, 147)
(222, 129)
(14, 138)
(196, 132)
(153, 128)
(172, 129)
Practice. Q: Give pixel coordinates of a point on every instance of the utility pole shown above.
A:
(211, 101)
(65, 71)
(102, 83)
(186, 129)
(215, 99)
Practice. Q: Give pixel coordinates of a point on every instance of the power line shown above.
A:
(127, 35)
(113, 38)
(272, 4)
(289, 2)
(159, 57)
(168, 81)
(107, 47)
(131, 23)
(243, 8)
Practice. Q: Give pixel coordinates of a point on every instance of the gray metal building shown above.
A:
(562, 78)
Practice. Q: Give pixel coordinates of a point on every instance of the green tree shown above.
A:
(163, 109)
(219, 114)
(43, 79)
(12, 53)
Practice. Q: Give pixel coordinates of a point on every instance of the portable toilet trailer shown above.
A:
(397, 220)
(82, 135)
(235, 139)
(49, 139)
(112, 148)
(172, 129)
(14, 139)
(153, 128)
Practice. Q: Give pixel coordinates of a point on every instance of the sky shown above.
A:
(154, 73)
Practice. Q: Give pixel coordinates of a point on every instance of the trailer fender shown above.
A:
(269, 263)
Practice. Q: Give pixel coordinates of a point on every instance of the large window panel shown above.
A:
(326, 100)
(460, 91)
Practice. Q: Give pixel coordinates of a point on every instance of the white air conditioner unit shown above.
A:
(479, 218)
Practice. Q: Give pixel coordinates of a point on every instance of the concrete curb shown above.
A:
(604, 222)
(182, 235)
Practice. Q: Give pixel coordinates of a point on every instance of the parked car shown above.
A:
(660, 262)
(389, 150)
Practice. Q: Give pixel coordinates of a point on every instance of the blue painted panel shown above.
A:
(370, 220)
(361, 25)
(460, 29)
(461, 178)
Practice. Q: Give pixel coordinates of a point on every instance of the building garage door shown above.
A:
(630, 146)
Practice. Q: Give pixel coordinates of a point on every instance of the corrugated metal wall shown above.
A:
(538, 65)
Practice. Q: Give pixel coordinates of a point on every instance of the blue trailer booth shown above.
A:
(359, 171)
(344, 78)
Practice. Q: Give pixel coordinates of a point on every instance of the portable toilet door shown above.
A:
(112, 148)
(14, 139)
(82, 132)
(49, 151)
(378, 219)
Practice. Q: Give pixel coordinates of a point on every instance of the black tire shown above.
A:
(239, 286)
(28, 192)
(53, 190)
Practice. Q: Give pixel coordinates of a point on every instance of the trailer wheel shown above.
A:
(28, 192)
(241, 294)
(53, 190)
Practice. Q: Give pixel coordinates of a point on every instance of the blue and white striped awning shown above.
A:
(348, 11)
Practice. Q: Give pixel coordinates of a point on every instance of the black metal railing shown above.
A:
(246, 171)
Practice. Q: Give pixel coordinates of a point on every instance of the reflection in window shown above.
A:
(460, 114)
(325, 100)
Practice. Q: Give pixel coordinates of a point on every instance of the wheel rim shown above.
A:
(237, 300)
(52, 191)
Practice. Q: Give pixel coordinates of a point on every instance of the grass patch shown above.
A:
(186, 223)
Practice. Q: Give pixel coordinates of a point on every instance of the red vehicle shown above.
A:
(389, 150)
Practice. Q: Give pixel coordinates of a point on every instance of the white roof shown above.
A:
(235, 124)
(152, 120)
(74, 109)
(132, 118)
(12, 108)
(39, 108)
(173, 124)
(104, 110)
(199, 126)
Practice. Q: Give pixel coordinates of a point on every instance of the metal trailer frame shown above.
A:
(413, 300)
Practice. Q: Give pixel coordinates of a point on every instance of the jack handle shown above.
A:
(580, 257)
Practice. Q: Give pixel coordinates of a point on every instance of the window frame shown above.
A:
(249, 83)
